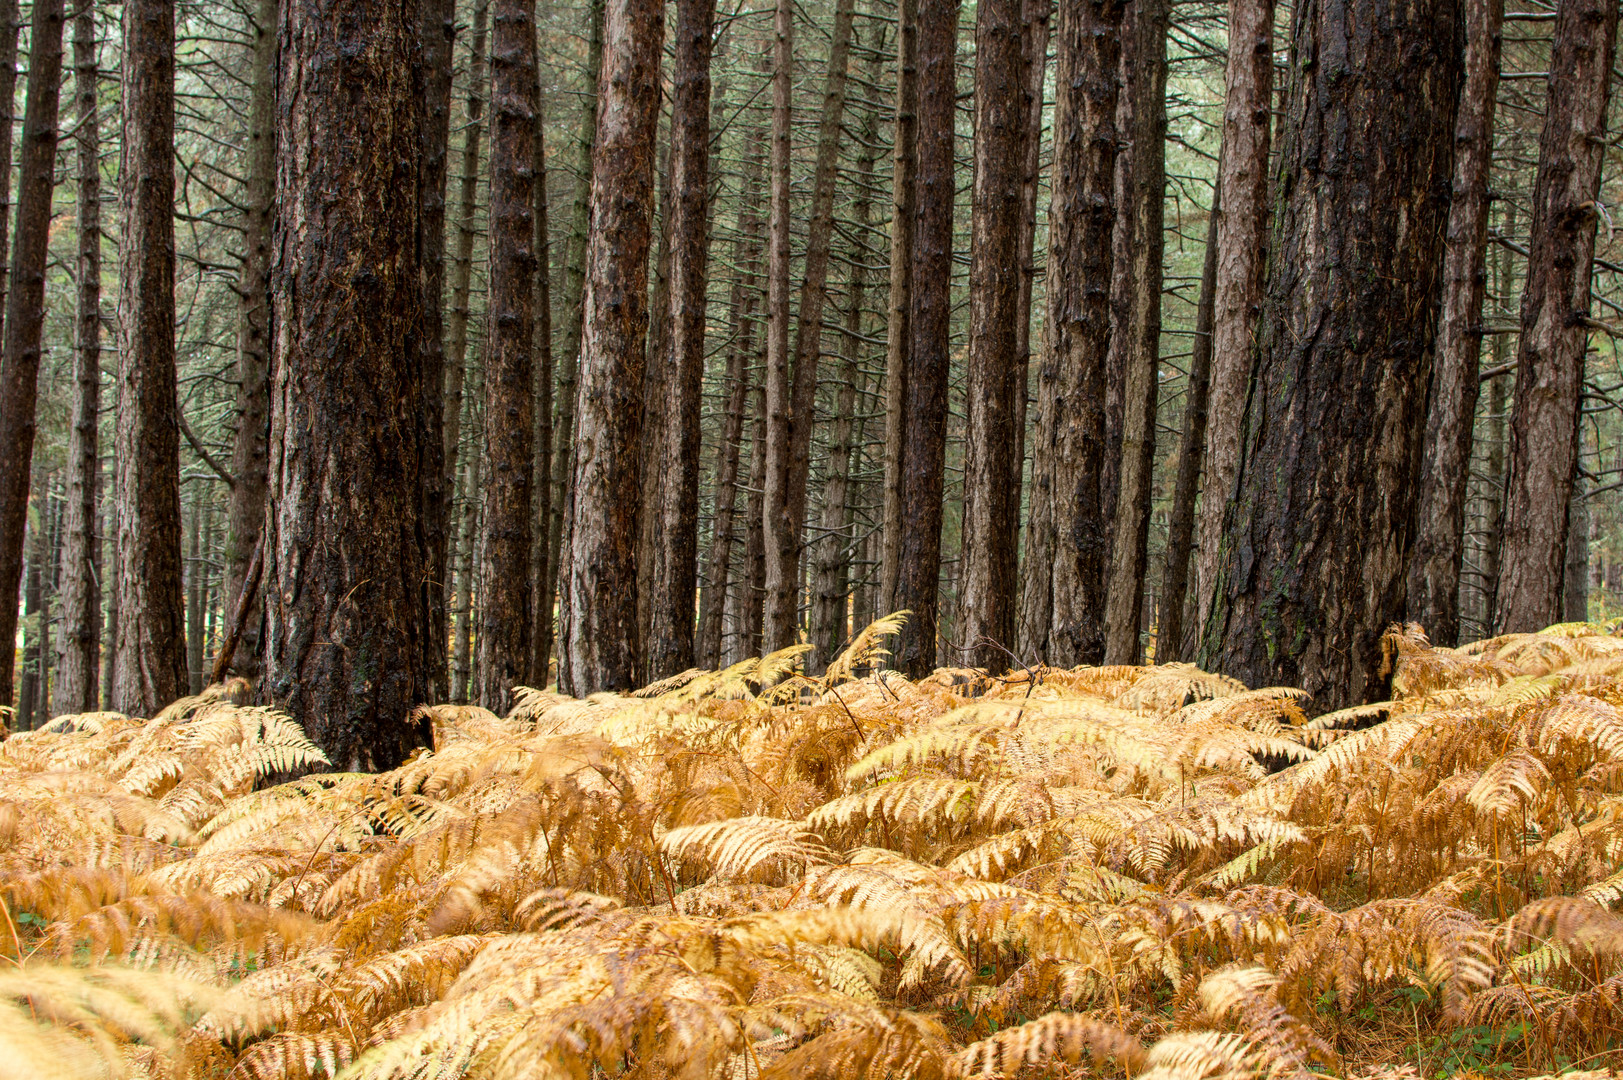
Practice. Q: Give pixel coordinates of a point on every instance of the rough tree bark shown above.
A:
(925, 423)
(563, 462)
(345, 550)
(25, 310)
(1062, 600)
(505, 619)
(1037, 15)
(745, 303)
(1142, 219)
(674, 575)
(249, 452)
(10, 28)
(898, 325)
(986, 587)
(781, 582)
(599, 650)
(1434, 568)
(1170, 628)
(538, 667)
(79, 640)
(1555, 314)
(1242, 259)
(1316, 549)
(785, 542)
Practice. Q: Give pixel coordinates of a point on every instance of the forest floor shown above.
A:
(1143, 870)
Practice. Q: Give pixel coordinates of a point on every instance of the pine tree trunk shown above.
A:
(28, 683)
(79, 643)
(467, 550)
(506, 621)
(1554, 319)
(1434, 568)
(456, 323)
(47, 631)
(25, 307)
(1062, 600)
(898, 328)
(674, 575)
(563, 461)
(1242, 258)
(109, 634)
(436, 31)
(781, 583)
(600, 650)
(754, 591)
(786, 532)
(346, 553)
(1315, 558)
(249, 453)
(745, 304)
(1037, 15)
(986, 595)
(1170, 630)
(194, 599)
(925, 427)
(1142, 220)
(541, 470)
(1575, 590)
(10, 28)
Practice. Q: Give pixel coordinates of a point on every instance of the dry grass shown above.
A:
(1151, 871)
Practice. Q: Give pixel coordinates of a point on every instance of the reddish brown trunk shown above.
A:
(898, 326)
(538, 669)
(599, 650)
(1555, 318)
(782, 581)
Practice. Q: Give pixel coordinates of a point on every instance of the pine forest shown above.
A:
(811, 539)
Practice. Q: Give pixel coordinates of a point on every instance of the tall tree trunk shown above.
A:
(924, 438)
(1315, 560)
(1575, 589)
(674, 575)
(1062, 601)
(787, 520)
(10, 28)
(898, 325)
(436, 30)
(541, 470)
(151, 662)
(754, 591)
(1555, 313)
(1142, 218)
(782, 583)
(1170, 629)
(1498, 443)
(506, 621)
(25, 308)
(249, 451)
(563, 462)
(467, 567)
(79, 642)
(456, 323)
(194, 599)
(345, 554)
(1036, 15)
(46, 631)
(109, 634)
(28, 682)
(1434, 568)
(600, 647)
(745, 304)
(1242, 259)
(986, 594)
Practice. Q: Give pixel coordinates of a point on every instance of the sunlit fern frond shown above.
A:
(1574, 922)
(739, 847)
(1248, 995)
(867, 648)
(1509, 785)
(1202, 1055)
(296, 1055)
(1056, 1037)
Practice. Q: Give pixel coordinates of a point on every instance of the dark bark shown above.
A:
(505, 618)
(1170, 627)
(745, 304)
(1434, 568)
(79, 641)
(925, 421)
(674, 575)
(1062, 600)
(109, 633)
(1554, 318)
(781, 582)
(1315, 557)
(599, 650)
(195, 592)
(30, 684)
(541, 469)
(986, 593)
(436, 30)
(25, 309)
(754, 585)
(1037, 15)
(1140, 330)
(1242, 249)
(467, 566)
(10, 28)
(249, 451)
(345, 550)
(898, 325)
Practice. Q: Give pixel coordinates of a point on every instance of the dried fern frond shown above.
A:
(740, 846)
(866, 649)
(1059, 1036)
